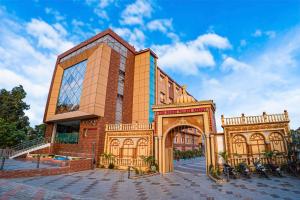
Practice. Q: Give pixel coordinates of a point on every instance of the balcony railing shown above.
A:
(123, 162)
(244, 120)
(278, 160)
(128, 127)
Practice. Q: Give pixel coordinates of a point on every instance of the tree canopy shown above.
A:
(14, 124)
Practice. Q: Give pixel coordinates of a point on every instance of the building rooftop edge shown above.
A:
(95, 37)
(145, 50)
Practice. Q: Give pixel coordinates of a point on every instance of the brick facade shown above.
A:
(73, 166)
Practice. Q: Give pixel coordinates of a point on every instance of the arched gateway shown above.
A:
(184, 112)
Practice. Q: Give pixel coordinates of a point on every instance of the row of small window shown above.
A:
(170, 84)
(162, 98)
(187, 140)
(114, 44)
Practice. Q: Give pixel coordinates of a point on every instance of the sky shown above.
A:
(244, 55)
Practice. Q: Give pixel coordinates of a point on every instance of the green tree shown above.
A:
(37, 132)
(14, 123)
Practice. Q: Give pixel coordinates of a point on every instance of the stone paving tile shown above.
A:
(114, 184)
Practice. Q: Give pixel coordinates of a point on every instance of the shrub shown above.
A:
(111, 166)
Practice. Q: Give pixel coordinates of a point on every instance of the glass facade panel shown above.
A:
(119, 109)
(71, 87)
(67, 132)
(110, 41)
(152, 88)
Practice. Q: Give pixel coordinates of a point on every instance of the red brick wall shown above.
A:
(128, 89)
(74, 166)
(46, 150)
(110, 101)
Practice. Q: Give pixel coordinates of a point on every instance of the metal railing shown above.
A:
(128, 127)
(278, 160)
(26, 145)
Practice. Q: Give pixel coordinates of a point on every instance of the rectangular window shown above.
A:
(71, 88)
(67, 132)
(162, 97)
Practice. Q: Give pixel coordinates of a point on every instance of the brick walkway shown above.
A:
(113, 184)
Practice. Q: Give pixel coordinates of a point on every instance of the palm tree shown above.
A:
(224, 155)
(109, 157)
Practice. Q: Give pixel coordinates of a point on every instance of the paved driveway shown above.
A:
(184, 183)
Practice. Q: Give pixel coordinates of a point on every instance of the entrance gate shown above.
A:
(182, 138)
(199, 115)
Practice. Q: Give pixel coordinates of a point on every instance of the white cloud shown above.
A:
(188, 57)
(99, 7)
(135, 13)
(135, 37)
(259, 33)
(28, 58)
(230, 63)
(271, 34)
(267, 81)
(165, 26)
(57, 15)
(243, 43)
(47, 36)
(162, 25)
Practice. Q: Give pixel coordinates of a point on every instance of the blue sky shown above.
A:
(245, 55)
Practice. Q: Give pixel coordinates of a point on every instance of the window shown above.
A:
(152, 87)
(257, 143)
(239, 145)
(119, 109)
(115, 147)
(142, 148)
(71, 87)
(67, 132)
(121, 82)
(128, 148)
(276, 141)
(162, 97)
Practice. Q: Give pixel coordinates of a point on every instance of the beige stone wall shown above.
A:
(140, 112)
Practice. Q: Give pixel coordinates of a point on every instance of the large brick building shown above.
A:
(103, 80)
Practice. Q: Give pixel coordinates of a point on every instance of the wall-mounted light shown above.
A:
(85, 131)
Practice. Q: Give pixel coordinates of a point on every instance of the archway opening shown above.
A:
(185, 150)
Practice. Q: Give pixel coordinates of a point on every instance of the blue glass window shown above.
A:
(151, 88)
(71, 88)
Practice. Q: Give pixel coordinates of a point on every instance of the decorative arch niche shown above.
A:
(115, 147)
(257, 143)
(128, 148)
(239, 145)
(276, 142)
(142, 148)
